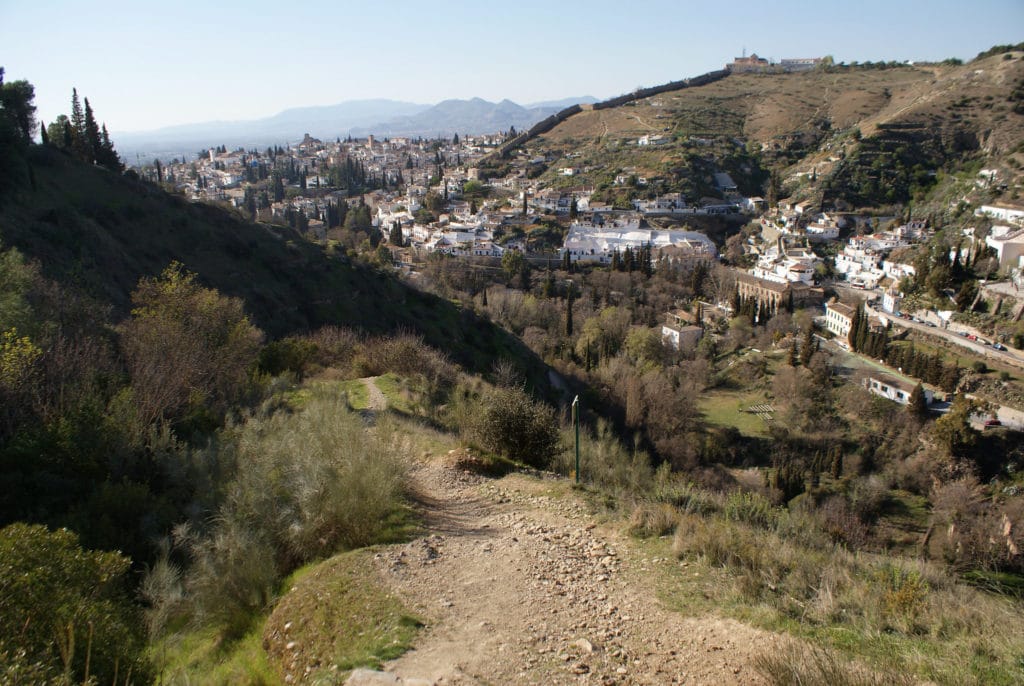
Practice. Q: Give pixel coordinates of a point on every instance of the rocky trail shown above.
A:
(519, 586)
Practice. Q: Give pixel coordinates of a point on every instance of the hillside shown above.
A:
(862, 135)
(102, 232)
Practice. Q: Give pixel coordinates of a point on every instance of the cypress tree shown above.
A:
(93, 141)
(807, 346)
(568, 315)
(42, 134)
(918, 404)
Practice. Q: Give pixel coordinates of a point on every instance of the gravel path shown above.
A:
(518, 587)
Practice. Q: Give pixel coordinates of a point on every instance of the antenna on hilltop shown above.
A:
(744, 51)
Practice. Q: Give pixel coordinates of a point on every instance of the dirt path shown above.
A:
(376, 400)
(518, 587)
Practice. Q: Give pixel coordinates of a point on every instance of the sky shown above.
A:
(145, 65)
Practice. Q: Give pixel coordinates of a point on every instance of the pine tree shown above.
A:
(42, 134)
(483, 301)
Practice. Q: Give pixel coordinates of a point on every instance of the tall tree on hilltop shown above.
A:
(78, 139)
(93, 142)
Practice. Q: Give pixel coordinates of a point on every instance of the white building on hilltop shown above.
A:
(595, 243)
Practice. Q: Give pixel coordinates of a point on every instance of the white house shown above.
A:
(1008, 244)
(891, 300)
(1003, 212)
(895, 389)
(679, 331)
(838, 318)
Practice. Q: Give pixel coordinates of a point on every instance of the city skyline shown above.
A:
(145, 67)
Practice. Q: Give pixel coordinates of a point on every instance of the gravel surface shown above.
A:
(518, 587)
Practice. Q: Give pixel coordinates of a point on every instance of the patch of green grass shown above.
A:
(397, 391)
(727, 408)
(337, 614)
(203, 656)
(358, 396)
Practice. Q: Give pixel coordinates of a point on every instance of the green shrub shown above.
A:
(751, 508)
(606, 463)
(287, 355)
(307, 484)
(63, 608)
(511, 423)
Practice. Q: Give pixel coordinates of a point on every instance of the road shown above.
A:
(1009, 356)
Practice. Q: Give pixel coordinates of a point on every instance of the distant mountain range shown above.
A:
(356, 118)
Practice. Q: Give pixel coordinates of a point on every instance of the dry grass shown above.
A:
(896, 614)
(800, 665)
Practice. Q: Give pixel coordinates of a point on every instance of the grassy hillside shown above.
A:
(866, 135)
(102, 232)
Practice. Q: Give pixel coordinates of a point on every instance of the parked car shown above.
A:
(999, 346)
(992, 421)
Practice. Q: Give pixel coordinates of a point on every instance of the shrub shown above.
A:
(307, 485)
(287, 355)
(606, 463)
(751, 508)
(511, 423)
(649, 519)
(65, 609)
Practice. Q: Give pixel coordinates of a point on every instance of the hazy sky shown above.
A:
(144, 65)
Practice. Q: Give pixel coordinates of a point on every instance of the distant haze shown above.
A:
(358, 118)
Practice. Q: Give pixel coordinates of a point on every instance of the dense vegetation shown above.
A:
(182, 386)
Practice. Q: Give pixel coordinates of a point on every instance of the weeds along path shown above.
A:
(518, 585)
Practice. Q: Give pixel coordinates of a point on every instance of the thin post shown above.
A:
(576, 424)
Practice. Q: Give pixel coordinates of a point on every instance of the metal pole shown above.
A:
(576, 424)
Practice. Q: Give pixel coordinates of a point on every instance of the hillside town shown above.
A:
(482, 197)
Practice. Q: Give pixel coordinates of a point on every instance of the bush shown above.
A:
(750, 508)
(606, 463)
(63, 608)
(307, 485)
(511, 423)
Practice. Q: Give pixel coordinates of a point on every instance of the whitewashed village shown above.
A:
(417, 197)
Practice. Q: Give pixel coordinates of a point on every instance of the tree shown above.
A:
(512, 263)
(93, 142)
(917, 405)
(187, 348)
(568, 313)
(68, 610)
(17, 107)
(78, 141)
